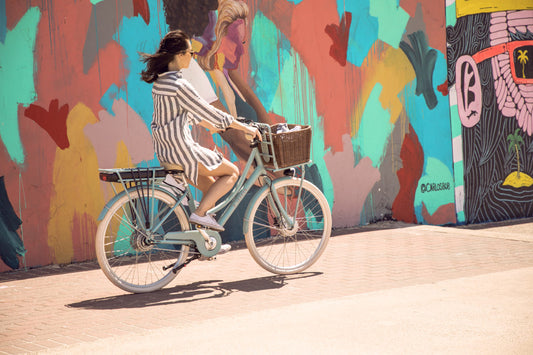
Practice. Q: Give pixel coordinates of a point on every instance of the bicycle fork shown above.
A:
(280, 213)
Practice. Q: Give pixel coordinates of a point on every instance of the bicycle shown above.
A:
(144, 237)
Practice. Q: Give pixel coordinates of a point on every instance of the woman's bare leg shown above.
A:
(227, 175)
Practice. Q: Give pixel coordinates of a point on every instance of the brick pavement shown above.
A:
(52, 307)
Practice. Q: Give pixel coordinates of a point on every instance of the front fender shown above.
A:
(120, 195)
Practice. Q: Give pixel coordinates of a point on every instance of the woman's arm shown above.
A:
(249, 131)
(209, 127)
(201, 110)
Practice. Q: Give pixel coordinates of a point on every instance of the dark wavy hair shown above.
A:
(173, 43)
(191, 16)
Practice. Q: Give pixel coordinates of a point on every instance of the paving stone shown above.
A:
(53, 307)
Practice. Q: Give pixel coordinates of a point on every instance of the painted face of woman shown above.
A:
(232, 45)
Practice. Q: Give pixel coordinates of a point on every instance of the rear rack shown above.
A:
(135, 174)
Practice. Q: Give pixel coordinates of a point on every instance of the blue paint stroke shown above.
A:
(432, 125)
(3, 21)
(135, 36)
(363, 30)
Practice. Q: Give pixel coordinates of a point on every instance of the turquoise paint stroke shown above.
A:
(16, 66)
(266, 40)
(431, 125)
(374, 130)
(435, 188)
(94, 2)
(451, 15)
(363, 30)
(295, 99)
(392, 20)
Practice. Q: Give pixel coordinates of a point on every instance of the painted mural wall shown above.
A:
(370, 77)
(490, 55)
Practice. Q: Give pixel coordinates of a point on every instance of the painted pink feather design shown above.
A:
(514, 100)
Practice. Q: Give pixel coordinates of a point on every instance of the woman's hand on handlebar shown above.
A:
(252, 134)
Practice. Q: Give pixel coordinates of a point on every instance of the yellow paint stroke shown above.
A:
(123, 156)
(390, 67)
(470, 7)
(76, 185)
(514, 180)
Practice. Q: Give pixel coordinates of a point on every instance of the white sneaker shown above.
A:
(169, 180)
(224, 248)
(206, 221)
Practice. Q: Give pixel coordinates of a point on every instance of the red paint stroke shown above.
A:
(443, 88)
(53, 121)
(61, 73)
(274, 118)
(339, 34)
(445, 214)
(140, 7)
(412, 157)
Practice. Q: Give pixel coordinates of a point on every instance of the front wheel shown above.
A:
(283, 247)
(128, 247)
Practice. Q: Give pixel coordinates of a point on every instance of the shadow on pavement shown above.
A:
(377, 226)
(49, 270)
(197, 291)
(511, 222)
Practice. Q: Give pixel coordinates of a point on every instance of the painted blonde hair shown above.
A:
(229, 11)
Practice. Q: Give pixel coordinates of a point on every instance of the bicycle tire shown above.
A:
(128, 259)
(273, 246)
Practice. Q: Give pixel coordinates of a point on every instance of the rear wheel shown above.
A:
(127, 247)
(285, 248)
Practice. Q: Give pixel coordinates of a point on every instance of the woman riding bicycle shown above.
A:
(176, 106)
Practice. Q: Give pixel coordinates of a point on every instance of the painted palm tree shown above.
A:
(515, 141)
(523, 59)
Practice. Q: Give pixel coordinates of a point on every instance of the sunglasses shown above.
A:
(520, 58)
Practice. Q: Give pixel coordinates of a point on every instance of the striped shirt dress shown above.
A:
(177, 105)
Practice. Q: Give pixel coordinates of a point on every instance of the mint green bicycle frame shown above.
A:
(232, 201)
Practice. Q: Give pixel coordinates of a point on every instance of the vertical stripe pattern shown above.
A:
(177, 105)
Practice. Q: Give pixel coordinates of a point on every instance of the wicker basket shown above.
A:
(290, 148)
